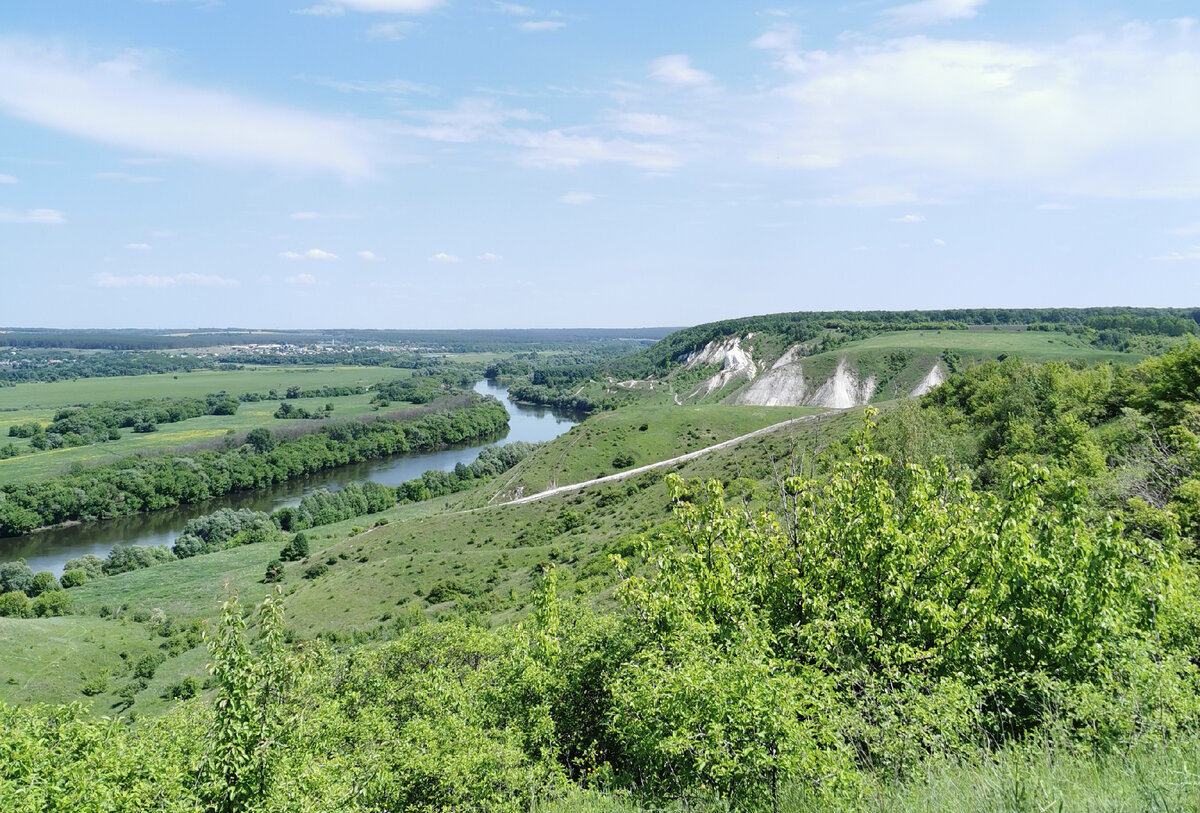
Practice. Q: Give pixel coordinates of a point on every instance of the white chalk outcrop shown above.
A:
(843, 389)
(932, 380)
(736, 362)
(784, 385)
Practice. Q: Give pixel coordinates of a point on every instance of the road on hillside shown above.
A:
(612, 478)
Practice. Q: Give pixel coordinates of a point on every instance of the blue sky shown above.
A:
(471, 163)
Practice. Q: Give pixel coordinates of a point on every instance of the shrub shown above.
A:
(73, 578)
(43, 582)
(274, 572)
(296, 549)
(185, 689)
(51, 603)
(14, 604)
(147, 665)
(316, 571)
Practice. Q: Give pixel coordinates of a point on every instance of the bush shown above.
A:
(147, 665)
(44, 582)
(16, 576)
(73, 578)
(14, 604)
(296, 549)
(274, 573)
(623, 460)
(315, 571)
(185, 689)
(51, 603)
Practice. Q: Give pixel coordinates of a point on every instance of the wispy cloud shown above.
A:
(7, 179)
(393, 32)
(336, 8)
(394, 87)
(542, 25)
(1097, 116)
(914, 218)
(106, 280)
(489, 257)
(301, 279)
(48, 217)
(677, 69)
(577, 198)
(929, 12)
(120, 102)
(369, 256)
(1177, 256)
(318, 254)
(1190, 230)
(304, 216)
(443, 257)
(138, 246)
(514, 9)
(125, 177)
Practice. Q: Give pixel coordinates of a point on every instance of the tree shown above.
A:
(73, 578)
(16, 576)
(274, 573)
(14, 604)
(261, 439)
(43, 582)
(296, 549)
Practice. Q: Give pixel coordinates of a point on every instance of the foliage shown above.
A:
(15, 604)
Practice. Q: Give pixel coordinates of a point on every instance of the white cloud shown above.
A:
(489, 257)
(138, 246)
(1176, 256)
(125, 177)
(514, 9)
(677, 69)
(321, 11)
(303, 216)
(871, 196)
(7, 179)
(395, 87)
(302, 279)
(120, 102)
(577, 198)
(777, 38)
(143, 162)
(50, 217)
(1054, 207)
(318, 254)
(1096, 117)
(937, 241)
(542, 25)
(369, 256)
(393, 32)
(1190, 230)
(643, 124)
(928, 12)
(336, 8)
(106, 280)
(443, 257)
(291, 255)
(391, 6)
(909, 219)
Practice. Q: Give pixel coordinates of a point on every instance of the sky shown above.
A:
(484, 164)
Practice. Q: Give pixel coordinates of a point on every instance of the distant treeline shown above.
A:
(134, 484)
(96, 423)
(64, 367)
(457, 341)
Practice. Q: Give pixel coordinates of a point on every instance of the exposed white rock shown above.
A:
(932, 380)
(843, 389)
(735, 362)
(784, 385)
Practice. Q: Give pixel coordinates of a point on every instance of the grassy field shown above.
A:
(980, 345)
(645, 433)
(39, 402)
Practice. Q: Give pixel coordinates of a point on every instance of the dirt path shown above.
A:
(612, 478)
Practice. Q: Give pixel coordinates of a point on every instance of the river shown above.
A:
(48, 550)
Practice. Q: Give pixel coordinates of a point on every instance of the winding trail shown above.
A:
(621, 475)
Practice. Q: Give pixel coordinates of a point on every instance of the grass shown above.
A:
(589, 449)
(981, 345)
(1037, 778)
(39, 401)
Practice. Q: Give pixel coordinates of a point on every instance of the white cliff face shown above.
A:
(843, 389)
(932, 380)
(736, 362)
(783, 385)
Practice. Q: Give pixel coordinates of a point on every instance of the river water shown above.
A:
(48, 550)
